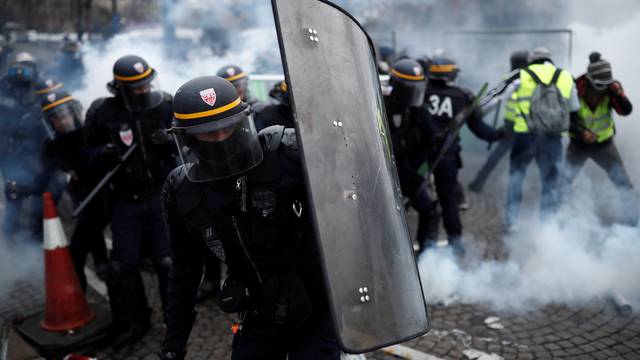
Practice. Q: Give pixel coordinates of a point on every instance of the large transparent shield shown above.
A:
(374, 287)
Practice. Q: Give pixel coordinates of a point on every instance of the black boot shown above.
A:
(129, 308)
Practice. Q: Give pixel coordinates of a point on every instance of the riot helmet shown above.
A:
(62, 113)
(237, 77)
(214, 125)
(23, 69)
(599, 71)
(46, 86)
(136, 82)
(71, 50)
(407, 83)
(443, 69)
(519, 59)
(280, 92)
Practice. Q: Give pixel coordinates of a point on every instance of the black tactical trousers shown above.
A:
(262, 339)
(88, 238)
(446, 180)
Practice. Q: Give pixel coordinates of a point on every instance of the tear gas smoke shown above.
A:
(23, 262)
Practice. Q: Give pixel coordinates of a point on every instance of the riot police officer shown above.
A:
(62, 116)
(244, 199)
(443, 100)
(138, 114)
(235, 75)
(409, 137)
(278, 111)
(21, 147)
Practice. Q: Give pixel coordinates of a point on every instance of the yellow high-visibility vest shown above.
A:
(522, 96)
(600, 121)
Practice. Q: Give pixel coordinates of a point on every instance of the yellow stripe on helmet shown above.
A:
(135, 77)
(59, 102)
(49, 89)
(442, 68)
(406, 76)
(211, 112)
(236, 77)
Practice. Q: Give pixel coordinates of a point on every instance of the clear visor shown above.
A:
(409, 93)
(64, 118)
(211, 151)
(242, 86)
(142, 95)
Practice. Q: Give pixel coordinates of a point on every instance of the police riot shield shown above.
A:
(374, 287)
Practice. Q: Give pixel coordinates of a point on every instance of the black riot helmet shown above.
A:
(280, 92)
(47, 86)
(408, 83)
(443, 69)
(237, 77)
(62, 113)
(214, 124)
(519, 59)
(136, 82)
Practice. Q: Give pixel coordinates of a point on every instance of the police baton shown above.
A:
(103, 182)
(459, 120)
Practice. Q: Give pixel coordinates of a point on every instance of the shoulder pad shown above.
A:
(176, 178)
(93, 108)
(271, 137)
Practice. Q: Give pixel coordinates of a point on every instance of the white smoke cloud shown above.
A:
(19, 262)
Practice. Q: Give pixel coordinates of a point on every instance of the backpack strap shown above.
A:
(533, 75)
(555, 77)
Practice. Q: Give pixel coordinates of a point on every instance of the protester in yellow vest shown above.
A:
(535, 142)
(592, 134)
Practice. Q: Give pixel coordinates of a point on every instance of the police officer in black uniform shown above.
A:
(244, 199)
(235, 75)
(138, 113)
(21, 142)
(278, 111)
(443, 100)
(403, 100)
(62, 115)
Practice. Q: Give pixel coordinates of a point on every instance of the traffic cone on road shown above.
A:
(68, 324)
(66, 307)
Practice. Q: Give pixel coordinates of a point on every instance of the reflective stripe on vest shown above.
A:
(599, 121)
(527, 86)
(510, 110)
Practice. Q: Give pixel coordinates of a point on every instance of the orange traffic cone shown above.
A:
(66, 307)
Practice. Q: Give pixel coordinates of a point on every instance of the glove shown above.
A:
(160, 137)
(615, 88)
(500, 133)
(171, 355)
(110, 155)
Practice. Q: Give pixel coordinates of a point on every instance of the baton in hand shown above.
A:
(103, 182)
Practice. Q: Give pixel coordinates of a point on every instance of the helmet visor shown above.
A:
(409, 93)
(142, 95)
(219, 149)
(64, 118)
